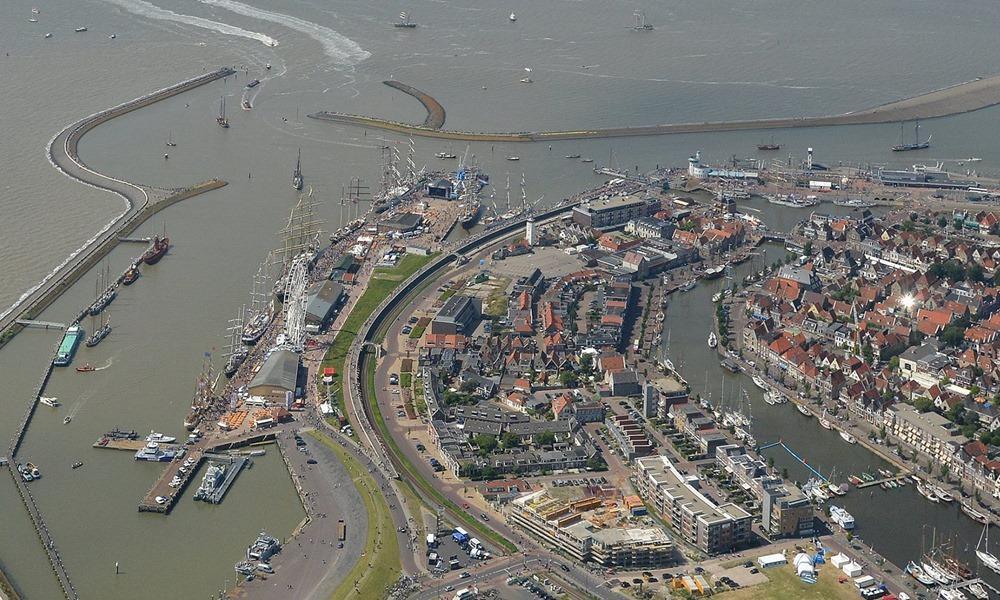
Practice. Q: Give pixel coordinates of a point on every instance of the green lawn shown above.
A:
(418, 330)
(406, 380)
(381, 549)
(784, 584)
(378, 290)
(448, 293)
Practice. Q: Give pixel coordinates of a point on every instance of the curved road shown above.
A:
(953, 100)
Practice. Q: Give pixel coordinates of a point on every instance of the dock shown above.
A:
(904, 477)
(162, 487)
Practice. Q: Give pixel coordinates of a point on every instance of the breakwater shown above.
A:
(141, 202)
(435, 112)
(964, 97)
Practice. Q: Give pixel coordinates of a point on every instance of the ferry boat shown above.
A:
(974, 514)
(713, 340)
(805, 411)
(67, 348)
(850, 439)
(157, 250)
(131, 276)
(53, 402)
(160, 438)
(404, 22)
(841, 517)
(153, 453)
(917, 572)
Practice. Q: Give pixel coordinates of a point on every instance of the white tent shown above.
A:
(771, 560)
(804, 565)
(840, 560)
(852, 569)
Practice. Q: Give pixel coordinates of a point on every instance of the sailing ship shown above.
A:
(974, 514)
(221, 119)
(640, 23)
(237, 353)
(404, 22)
(769, 146)
(103, 299)
(202, 400)
(99, 332)
(917, 572)
(297, 173)
(261, 309)
(916, 145)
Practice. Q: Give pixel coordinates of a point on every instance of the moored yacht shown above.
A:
(917, 572)
(805, 411)
(850, 439)
(713, 340)
(759, 382)
(841, 517)
(160, 438)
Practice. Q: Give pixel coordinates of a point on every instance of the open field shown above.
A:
(784, 584)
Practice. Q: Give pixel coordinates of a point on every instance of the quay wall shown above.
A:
(957, 99)
(435, 112)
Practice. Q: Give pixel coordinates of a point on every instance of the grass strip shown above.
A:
(379, 566)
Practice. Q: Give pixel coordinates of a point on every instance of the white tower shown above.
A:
(809, 159)
(529, 232)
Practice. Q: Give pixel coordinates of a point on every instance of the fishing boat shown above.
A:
(713, 340)
(802, 409)
(824, 422)
(917, 572)
(850, 439)
(131, 276)
(974, 514)
(297, 180)
(916, 145)
(404, 22)
(47, 401)
(222, 121)
(87, 368)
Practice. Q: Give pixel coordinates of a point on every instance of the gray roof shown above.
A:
(322, 300)
(280, 369)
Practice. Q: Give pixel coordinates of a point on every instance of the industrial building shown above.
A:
(277, 377)
(401, 223)
(322, 304)
(593, 530)
(677, 499)
(460, 314)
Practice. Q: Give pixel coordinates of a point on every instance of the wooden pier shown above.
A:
(903, 477)
(162, 485)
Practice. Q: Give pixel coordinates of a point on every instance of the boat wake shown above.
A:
(146, 9)
(338, 47)
(106, 365)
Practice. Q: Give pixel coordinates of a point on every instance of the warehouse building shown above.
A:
(277, 377)
(322, 304)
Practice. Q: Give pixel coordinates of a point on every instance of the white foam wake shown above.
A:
(337, 46)
(145, 9)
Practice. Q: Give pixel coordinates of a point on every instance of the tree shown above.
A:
(953, 335)
(808, 248)
(596, 463)
(923, 404)
(868, 352)
(545, 438)
(894, 363)
(568, 379)
(509, 440)
(974, 273)
(468, 386)
(942, 221)
(485, 443)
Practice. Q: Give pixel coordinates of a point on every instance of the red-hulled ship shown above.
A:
(157, 250)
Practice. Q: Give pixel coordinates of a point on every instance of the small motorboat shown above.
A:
(47, 35)
(268, 66)
(80, 29)
(513, 158)
(87, 368)
(112, 36)
(77, 464)
(47, 401)
(161, 500)
(512, 17)
(587, 160)
(67, 419)
(572, 156)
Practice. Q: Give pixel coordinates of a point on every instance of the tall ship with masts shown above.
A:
(916, 145)
(100, 331)
(104, 293)
(297, 173)
(301, 237)
(202, 400)
(236, 352)
(254, 323)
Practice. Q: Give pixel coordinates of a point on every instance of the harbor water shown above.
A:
(768, 58)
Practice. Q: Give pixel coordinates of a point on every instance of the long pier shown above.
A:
(957, 99)
(141, 202)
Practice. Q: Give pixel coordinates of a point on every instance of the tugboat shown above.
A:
(297, 173)
(131, 276)
(221, 119)
(156, 250)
